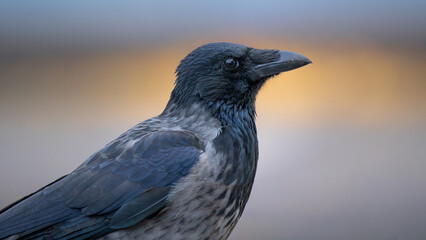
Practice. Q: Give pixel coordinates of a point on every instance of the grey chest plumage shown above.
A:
(208, 202)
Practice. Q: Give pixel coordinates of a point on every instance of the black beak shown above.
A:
(287, 61)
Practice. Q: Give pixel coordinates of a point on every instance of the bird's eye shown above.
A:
(230, 63)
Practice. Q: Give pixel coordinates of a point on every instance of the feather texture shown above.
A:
(128, 174)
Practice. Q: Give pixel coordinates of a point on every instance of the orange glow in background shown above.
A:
(360, 84)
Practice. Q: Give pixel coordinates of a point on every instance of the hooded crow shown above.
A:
(184, 174)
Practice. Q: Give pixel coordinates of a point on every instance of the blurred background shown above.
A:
(342, 141)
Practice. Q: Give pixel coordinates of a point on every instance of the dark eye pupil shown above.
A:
(231, 63)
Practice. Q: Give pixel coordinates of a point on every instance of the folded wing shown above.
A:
(118, 187)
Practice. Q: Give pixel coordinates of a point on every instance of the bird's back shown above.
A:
(133, 174)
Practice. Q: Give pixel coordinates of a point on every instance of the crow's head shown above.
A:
(228, 73)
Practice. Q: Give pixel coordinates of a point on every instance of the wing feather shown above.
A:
(115, 183)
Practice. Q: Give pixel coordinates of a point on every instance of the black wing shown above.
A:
(116, 188)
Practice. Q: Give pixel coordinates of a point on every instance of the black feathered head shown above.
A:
(229, 73)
